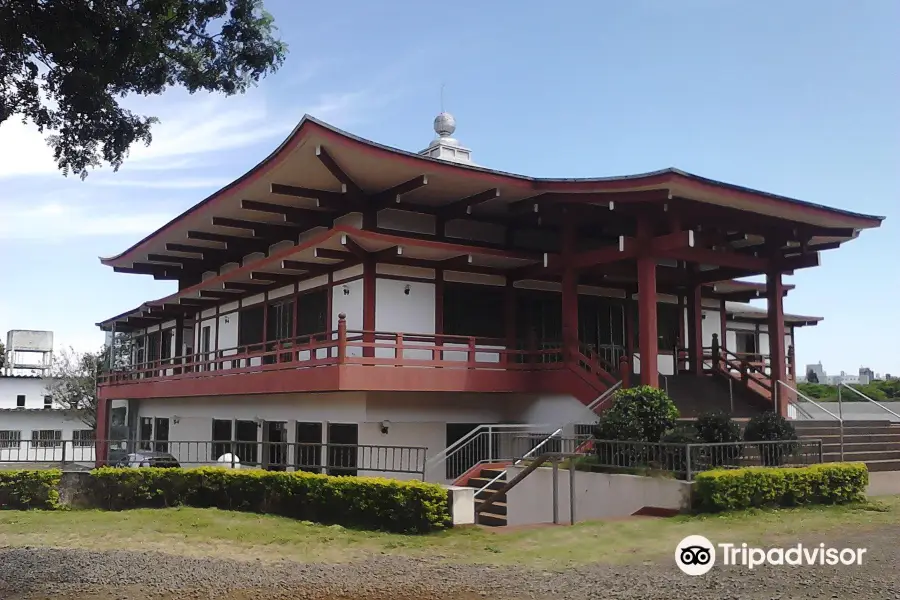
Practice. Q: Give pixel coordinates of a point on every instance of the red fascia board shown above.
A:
(660, 179)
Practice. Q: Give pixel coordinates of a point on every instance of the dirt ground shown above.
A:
(69, 574)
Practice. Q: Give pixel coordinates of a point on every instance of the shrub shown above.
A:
(718, 428)
(364, 502)
(771, 427)
(759, 487)
(22, 490)
(675, 457)
(641, 414)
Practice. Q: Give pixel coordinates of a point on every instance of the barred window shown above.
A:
(46, 438)
(83, 437)
(10, 439)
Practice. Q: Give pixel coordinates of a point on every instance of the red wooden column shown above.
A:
(101, 433)
(569, 287)
(509, 313)
(369, 306)
(648, 335)
(723, 325)
(695, 328)
(775, 297)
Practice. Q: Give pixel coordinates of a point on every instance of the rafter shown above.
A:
(465, 205)
(246, 286)
(205, 251)
(284, 278)
(326, 159)
(354, 248)
(246, 245)
(198, 302)
(329, 254)
(296, 265)
(274, 231)
(222, 294)
(391, 197)
(290, 213)
(323, 198)
(185, 262)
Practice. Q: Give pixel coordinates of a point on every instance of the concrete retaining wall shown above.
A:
(597, 496)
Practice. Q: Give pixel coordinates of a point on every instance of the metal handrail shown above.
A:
(859, 393)
(839, 416)
(456, 446)
(595, 403)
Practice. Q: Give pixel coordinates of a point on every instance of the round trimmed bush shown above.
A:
(717, 428)
(772, 427)
(641, 414)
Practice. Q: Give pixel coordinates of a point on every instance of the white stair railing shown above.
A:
(597, 402)
(839, 417)
(864, 397)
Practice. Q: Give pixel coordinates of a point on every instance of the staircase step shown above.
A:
(496, 508)
(831, 448)
(834, 423)
(854, 456)
(491, 473)
(480, 482)
(817, 431)
(491, 519)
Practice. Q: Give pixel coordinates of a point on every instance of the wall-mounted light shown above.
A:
(176, 419)
(227, 319)
(346, 289)
(406, 289)
(385, 426)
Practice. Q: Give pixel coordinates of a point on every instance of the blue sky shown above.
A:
(797, 98)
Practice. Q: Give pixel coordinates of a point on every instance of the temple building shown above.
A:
(348, 292)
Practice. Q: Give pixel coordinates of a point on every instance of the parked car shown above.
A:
(147, 458)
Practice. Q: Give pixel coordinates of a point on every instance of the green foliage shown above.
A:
(880, 391)
(364, 502)
(22, 490)
(643, 414)
(66, 65)
(759, 487)
(771, 427)
(716, 428)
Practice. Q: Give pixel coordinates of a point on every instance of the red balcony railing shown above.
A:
(349, 347)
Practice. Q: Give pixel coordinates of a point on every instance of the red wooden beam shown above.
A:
(354, 248)
(723, 259)
(329, 254)
(660, 245)
(390, 198)
(465, 205)
(290, 213)
(296, 265)
(626, 248)
(326, 159)
(323, 198)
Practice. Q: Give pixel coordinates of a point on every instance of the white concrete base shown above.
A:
(884, 483)
(462, 505)
(597, 496)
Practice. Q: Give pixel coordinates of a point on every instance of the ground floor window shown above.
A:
(10, 439)
(46, 438)
(154, 434)
(308, 451)
(83, 437)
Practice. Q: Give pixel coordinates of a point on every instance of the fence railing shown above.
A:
(686, 460)
(333, 459)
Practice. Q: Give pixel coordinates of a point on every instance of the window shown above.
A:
(48, 401)
(280, 321)
(474, 310)
(312, 312)
(46, 438)
(146, 433)
(166, 348)
(83, 437)
(250, 325)
(20, 401)
(667, 325)
(161, 434)
(153, 346)
(221, 437)
(746, 342)
(205, 335)
(10, 439)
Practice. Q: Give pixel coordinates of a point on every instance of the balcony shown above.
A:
(348, 360)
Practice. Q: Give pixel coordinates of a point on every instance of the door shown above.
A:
(276, 445)
(343, 439)
(308, 451)
(246, 444)
(161, 434)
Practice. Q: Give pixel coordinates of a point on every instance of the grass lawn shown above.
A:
(244, 536)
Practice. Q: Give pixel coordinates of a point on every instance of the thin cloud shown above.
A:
(164, 184)
(55, 221)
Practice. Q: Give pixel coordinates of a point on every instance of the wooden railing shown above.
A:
(358, 347)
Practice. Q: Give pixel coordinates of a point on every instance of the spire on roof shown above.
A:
(444, 145)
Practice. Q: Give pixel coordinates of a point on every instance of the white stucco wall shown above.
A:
(597, 496)
(33, 388)
(26, 421)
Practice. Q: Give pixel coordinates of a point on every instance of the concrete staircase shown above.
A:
(876, 443)
(696, 394)
(495, 515)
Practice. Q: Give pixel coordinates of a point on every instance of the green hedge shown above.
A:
(756, 487)
(366, 502)
(21, 490)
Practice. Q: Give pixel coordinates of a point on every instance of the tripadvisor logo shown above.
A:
(696, 555)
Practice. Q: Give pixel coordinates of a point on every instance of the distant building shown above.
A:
(816, 369)
(866, 375)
